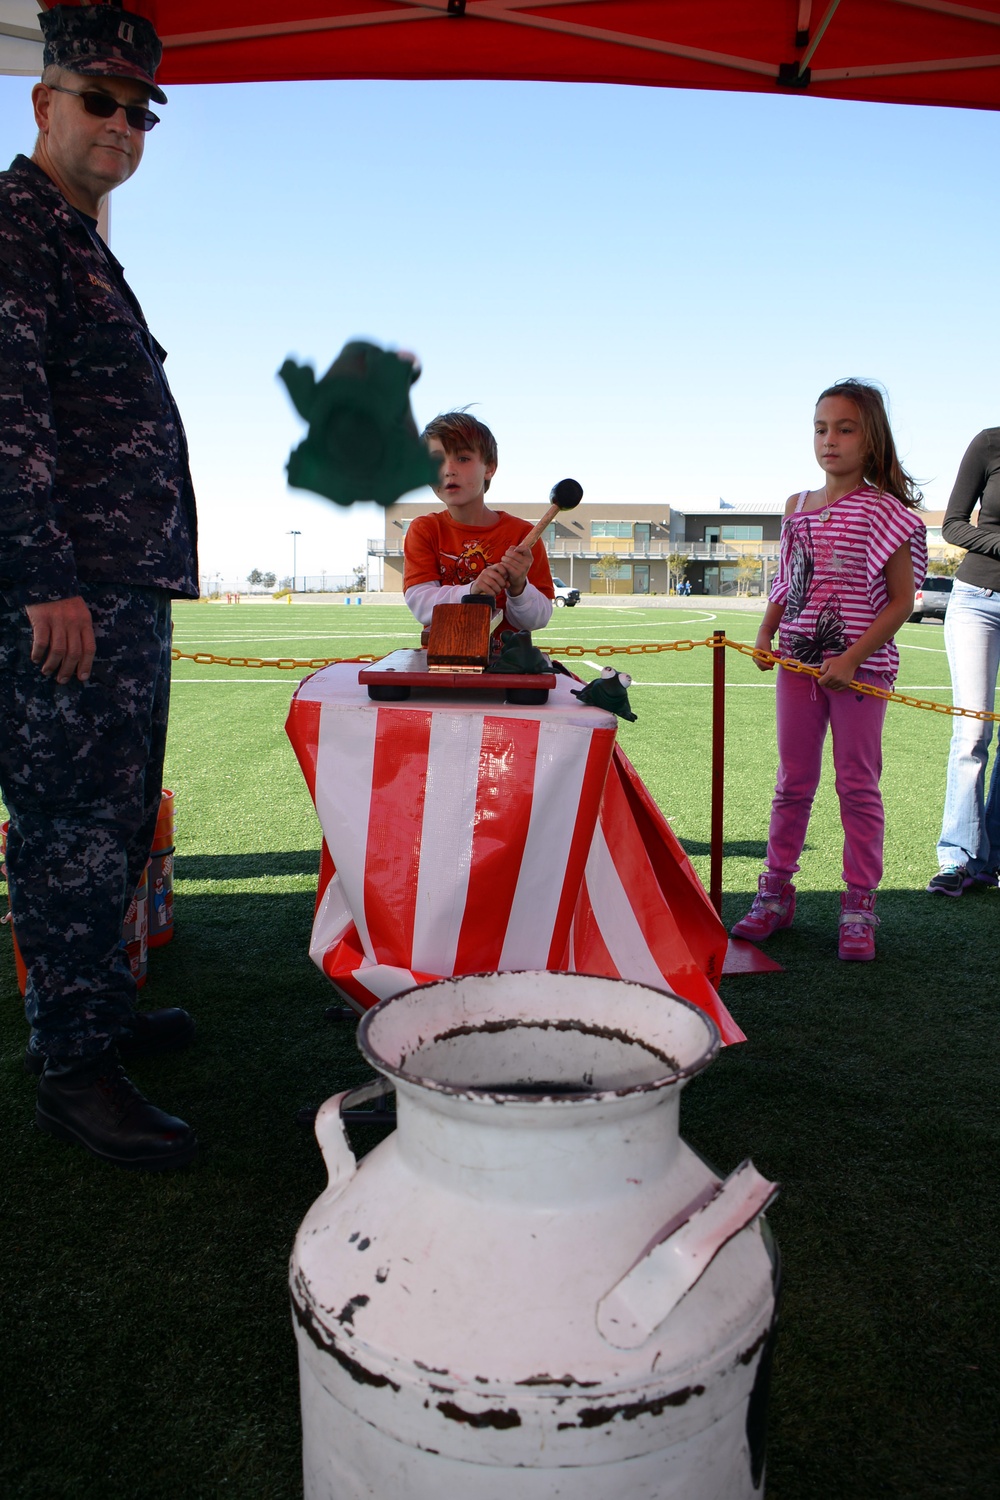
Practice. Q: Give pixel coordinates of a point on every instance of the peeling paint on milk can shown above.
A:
(533, 1287)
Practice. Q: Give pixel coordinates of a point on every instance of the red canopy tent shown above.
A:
(894, 51)
(930, 52)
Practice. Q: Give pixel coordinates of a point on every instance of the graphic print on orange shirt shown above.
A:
(467, 566)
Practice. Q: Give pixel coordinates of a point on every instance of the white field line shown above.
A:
(236, 640)
(623, 609)
(218, 643)
(701, 617)
(921, 687)
(290, 681)
(671, 628)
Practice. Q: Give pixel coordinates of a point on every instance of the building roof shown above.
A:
(736, 508)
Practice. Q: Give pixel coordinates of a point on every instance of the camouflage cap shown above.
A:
(102, 41)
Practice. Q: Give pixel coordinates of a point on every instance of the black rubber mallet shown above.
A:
(566, 495)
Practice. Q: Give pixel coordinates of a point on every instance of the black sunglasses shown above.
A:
(104, 106)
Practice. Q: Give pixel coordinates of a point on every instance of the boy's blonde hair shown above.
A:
(457, 429)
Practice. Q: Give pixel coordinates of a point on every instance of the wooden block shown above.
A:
(459, 637)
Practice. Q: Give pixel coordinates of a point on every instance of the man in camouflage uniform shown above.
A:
(97, 534)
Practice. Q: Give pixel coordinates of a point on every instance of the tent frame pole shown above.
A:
(718, 767)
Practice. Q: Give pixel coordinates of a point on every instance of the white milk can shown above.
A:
(533, 1288)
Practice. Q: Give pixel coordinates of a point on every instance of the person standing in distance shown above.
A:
(969, 847)
(97, 535)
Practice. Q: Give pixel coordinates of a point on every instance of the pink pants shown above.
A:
(804, 712)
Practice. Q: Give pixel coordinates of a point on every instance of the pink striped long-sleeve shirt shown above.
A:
(831, 574)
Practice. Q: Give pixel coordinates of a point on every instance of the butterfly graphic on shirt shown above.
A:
(828, 637)
(801, 571)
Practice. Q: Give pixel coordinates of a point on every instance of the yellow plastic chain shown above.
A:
(283, 663)
(642, 648)
(791, 665)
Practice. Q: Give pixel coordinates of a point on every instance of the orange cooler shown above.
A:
(21, 971)
(161, 875)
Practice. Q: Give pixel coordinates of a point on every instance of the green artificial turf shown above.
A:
(147, 1348)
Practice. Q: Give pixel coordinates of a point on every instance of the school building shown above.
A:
(616, 547)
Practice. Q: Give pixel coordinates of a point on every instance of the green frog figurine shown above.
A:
(610, 692)
(518, 654)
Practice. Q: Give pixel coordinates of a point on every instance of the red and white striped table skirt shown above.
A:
(461, 837)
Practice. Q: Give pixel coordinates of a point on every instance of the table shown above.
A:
(462, 835)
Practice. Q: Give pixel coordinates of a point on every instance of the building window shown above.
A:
(742, 533)
(623, 570)
(611, 528)
(549, 534)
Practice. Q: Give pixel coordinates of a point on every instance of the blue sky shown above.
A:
(645, 289)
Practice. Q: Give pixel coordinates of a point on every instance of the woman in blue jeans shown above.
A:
(969, 846)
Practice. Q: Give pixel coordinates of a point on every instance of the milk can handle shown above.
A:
(680, 1255)
(341, 1163)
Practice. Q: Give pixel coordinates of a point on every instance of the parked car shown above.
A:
(565, 596)
(931, 598)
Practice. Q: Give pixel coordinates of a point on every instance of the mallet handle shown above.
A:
(539, 527)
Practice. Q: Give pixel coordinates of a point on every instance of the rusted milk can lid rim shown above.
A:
(677, 1073)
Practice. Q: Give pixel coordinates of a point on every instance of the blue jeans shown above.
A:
(970, 830)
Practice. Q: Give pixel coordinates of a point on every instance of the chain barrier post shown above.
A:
(718, 766)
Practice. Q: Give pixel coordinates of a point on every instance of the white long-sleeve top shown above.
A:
(529, 610)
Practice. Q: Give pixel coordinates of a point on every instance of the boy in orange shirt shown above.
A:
(468, 548)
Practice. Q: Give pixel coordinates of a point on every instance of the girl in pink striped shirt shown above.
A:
(852, 554)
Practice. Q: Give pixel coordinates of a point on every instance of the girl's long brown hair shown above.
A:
(883, 470)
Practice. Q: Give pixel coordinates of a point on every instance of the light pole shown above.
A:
(293, 535)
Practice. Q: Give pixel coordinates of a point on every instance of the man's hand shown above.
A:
(490, 581)
(63, 638)
(515, 562)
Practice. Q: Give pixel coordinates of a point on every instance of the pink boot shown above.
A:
(773, 908)
(858, 922)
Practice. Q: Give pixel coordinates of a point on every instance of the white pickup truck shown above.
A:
(564, 595)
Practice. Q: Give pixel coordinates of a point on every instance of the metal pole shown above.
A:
(294, 536)
(718, 767)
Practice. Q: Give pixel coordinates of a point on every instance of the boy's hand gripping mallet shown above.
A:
(566, 495)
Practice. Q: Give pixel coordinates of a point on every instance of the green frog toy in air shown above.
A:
(362, 442)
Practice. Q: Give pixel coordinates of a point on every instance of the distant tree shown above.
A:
(947, 563)
(269, 580)
(255, 578)
(285, 585)
(606, 567)
(676, 568)
(360, 579)
(747, 573)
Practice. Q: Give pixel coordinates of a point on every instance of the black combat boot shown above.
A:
(151, 1033)
(94, 1105)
